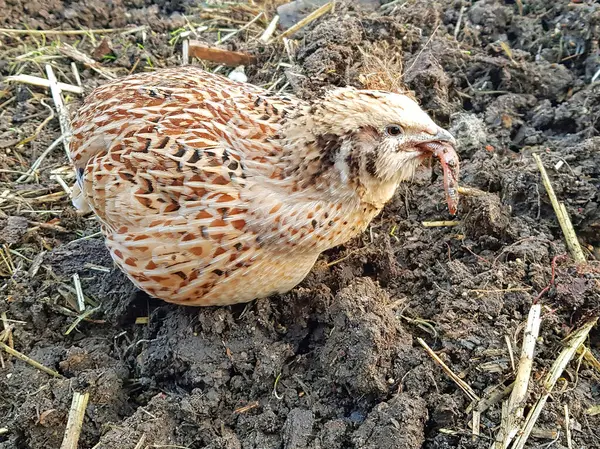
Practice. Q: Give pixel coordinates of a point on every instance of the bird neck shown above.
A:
(327, 165)
(310, 199)
(308, 165)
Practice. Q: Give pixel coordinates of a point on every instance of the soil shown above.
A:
(335, 363)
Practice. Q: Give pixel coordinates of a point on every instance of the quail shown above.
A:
(213, 192)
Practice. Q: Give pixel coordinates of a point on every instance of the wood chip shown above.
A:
(213, 54)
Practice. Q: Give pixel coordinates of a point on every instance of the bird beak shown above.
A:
(442, 145)
(444, 136)
(431, 142)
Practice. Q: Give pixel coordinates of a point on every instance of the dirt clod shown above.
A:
(396, 423)
(13, 229)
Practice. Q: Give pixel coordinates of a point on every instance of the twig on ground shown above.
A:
(7, 332)
(77, 55)
(520, 6)
(423, 324)
(7, 102)
(571, 237)
(461, 383)
(29, 360)
(459, 20)
(392, 5)
(289, 45)
(37, 81)
(52, 227)
(439, 224)
(75, 420)
(476, 423)
(245, 27)
(510, 352)
(63, 115)
(268, 33)
(493, 399)
(247, 407)
(6, 335)
(341, 259)
(27, 176)
(545, 434)
(568, 428)
(73, 32)
(595, 77)
(63, 184)
(576, 339)
(470, 191)
(501, 290)
(185, 48)
(275, 83)
(308, 19)
(75, 71)
(422, 49)
(140, 444)
(38, 129)
(79, 293)
(589, 357)
(518, 397)
(561, 213)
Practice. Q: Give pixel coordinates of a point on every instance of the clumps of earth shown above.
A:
(335, 363)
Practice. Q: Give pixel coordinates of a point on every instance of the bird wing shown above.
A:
(162, 160)
(170, 141)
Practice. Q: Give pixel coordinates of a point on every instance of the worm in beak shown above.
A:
(442, 146)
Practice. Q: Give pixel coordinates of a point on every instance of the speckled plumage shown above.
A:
(212, 192)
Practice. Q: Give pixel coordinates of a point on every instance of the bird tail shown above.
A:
(78, 199)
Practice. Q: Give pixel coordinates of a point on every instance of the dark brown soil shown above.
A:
(334, 364)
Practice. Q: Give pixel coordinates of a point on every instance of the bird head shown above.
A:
(378, 139)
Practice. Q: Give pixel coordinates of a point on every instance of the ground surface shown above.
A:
(334, 363)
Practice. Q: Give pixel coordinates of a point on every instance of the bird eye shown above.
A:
(393, 130)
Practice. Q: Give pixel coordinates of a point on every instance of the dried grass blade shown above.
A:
(576, 339)
(75, 421)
